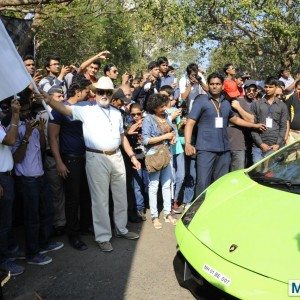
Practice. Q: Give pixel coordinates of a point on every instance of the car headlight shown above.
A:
(190, 213)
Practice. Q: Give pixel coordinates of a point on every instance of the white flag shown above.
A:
(13, 75)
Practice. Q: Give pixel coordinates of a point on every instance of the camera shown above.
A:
(199, 79)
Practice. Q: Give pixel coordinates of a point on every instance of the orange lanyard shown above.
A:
(217, 108)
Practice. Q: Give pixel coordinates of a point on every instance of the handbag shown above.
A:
(160, 159)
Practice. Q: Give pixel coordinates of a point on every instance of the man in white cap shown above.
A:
(103, 134)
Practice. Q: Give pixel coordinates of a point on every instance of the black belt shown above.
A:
(73, 155)
(6, 173)
(110, 152)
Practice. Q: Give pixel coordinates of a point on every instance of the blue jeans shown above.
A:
(6, 205)
(164, 177)
(140, 182)
(190, 179)
(38, 213)
(258, 154)
(210, 167)
(178, 173)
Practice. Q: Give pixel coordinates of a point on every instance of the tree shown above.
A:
(266, 29)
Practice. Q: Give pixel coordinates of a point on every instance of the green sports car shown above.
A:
(241, 236)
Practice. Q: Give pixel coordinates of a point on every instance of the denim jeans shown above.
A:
(178, 173)
(258, 154)
(77, 196)
(164, 177)
(140, 182)
(6, 205)
(38, 213)
(190, 179)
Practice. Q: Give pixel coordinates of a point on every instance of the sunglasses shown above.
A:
(104, 92)
(136, 114)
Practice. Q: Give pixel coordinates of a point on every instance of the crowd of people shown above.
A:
(108, 151)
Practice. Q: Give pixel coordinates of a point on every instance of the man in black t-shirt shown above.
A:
(293, 104)
(69, 154)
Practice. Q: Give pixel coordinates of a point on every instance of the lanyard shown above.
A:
(217, 108)
(107, 115)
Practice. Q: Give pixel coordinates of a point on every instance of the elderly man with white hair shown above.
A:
(103, 134)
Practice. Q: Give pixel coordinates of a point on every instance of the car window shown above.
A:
(281, 170)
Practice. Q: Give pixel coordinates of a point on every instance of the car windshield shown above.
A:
(281, 171)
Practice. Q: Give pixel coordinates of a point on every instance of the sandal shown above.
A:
(156, 223)
(169, 219)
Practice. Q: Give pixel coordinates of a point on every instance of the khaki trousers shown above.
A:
(104, 171)
(293, 136)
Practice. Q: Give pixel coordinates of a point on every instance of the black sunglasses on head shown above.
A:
(101, 92)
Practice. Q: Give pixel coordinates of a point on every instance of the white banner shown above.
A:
(13, 75)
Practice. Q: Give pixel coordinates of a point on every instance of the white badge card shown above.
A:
(269, 122)
(218, 122)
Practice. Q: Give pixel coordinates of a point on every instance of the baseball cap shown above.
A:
(249, 82)
(104, 83)
(231, 88)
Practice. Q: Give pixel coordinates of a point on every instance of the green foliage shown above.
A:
(263, 35)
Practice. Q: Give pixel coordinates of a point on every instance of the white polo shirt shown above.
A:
(6, 159)
(102, 127)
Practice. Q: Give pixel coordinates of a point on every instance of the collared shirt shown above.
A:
(151, 128)
(287, 82)
(278, 111)
(6, 159)
(210, 138)
(196, 89)
(102, 127)
(32, 164)
(168, 80)
(47, 82)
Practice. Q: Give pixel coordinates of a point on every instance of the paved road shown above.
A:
(140, 269)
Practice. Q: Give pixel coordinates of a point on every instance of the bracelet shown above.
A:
(132, 155)
(15, 125)
(188, 143)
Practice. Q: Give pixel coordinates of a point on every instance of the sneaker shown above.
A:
(142, 214)
(177, 209)
(129, 235)
(169, 219)
(39, 259)
(10, 267)
(16, 253)
(156, 223)
(52, 246)
(105, 246)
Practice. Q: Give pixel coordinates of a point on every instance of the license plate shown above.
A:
(217, 275)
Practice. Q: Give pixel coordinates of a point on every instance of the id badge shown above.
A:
(218, 122)
(269, 122)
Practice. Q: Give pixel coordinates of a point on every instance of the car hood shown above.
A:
(263, 223)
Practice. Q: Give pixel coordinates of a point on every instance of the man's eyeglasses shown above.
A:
(136, 114)
(55, 64)
(104, 92)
